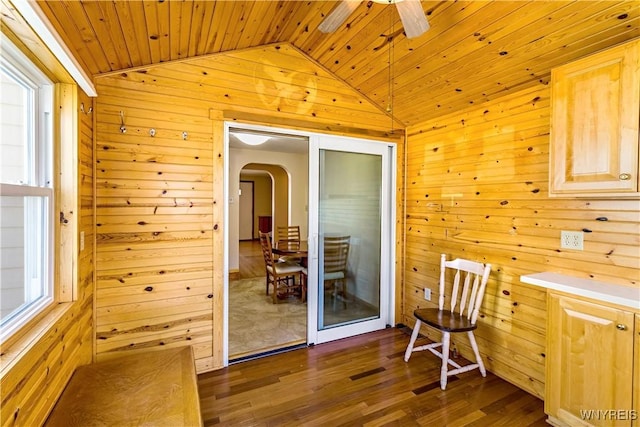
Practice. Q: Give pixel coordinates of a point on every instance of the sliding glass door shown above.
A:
(351, 237)
(349, 215)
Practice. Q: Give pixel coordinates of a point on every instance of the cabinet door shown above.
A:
(595, 105)
(589, 363)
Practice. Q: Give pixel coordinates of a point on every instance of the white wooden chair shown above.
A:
(454, 319)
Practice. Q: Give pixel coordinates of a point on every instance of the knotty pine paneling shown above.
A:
(476, 187)
(31, 386)
(474, 51)
(157, 234)
(154, 224)
(250, 81)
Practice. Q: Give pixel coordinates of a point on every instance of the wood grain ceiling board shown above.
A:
(475, 50)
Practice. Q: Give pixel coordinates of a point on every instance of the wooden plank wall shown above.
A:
(154, 222)
(32, 385)
(476, 187)
(157, 239)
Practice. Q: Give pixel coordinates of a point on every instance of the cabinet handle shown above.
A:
(625, 176)
(621, 327)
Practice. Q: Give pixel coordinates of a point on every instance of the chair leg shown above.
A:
(343, 292)
(334, 294)
(412, 341)
(445, 359)
(474, 346)
(276, 281)
(291, 288)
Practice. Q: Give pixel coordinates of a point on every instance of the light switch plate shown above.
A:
(427, 294)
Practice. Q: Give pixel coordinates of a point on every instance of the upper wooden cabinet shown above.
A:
(595, 116)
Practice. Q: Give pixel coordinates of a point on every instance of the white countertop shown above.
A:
(606, 292)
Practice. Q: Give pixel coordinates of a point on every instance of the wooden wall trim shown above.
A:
(237, 113)
(94, 226)
(66, 135)
(22, 35)
(400, 243)
(218, 239)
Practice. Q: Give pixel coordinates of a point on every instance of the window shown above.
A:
(26, 190)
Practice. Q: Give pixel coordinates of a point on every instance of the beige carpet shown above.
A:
(257, 325)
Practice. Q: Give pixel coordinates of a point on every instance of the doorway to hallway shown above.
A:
(303, 209)
(278, 171)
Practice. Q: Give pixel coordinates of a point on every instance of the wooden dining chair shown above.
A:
(289, 236)
(281, 275)
(453, 319)
(336, 256)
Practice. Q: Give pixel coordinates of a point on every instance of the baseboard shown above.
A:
(234, 274)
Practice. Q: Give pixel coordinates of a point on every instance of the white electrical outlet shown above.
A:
(572, 240)
(427, 294)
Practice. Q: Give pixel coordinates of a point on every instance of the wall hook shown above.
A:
(123, 128)
(184, 135)
(152, 132)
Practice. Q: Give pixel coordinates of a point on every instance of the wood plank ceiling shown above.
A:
(475, 50)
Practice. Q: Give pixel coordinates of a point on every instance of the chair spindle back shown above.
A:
(265, 244)
(475, 280)
(336, 254)
(288, 235)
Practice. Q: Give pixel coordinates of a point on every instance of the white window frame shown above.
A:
(37, 182)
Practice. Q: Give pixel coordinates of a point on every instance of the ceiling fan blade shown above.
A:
(338, 15)
(413, 18)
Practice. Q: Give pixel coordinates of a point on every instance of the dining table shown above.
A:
(292, 250)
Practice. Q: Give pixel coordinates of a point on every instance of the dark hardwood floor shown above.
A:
(360, 381)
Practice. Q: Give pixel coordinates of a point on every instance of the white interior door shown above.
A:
(351, 201)
(245, 211)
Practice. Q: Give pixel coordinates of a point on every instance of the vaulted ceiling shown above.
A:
(475, 50)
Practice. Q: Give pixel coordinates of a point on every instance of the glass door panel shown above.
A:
(351, 250)
(349, 224)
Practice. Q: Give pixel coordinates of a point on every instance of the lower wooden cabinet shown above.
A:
(590, 363)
